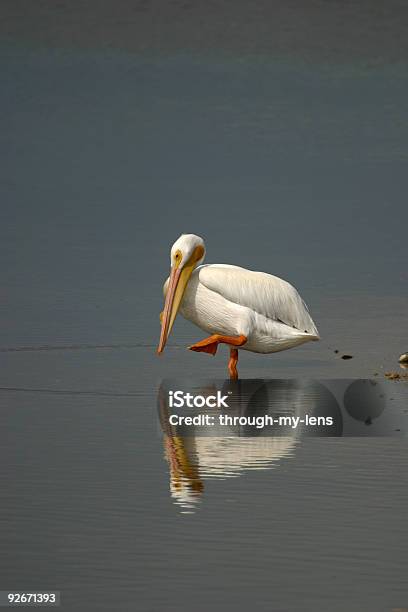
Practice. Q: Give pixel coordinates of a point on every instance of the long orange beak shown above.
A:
(168, 308)
(179, 278)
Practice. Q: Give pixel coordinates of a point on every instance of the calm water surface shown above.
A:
(292, 168)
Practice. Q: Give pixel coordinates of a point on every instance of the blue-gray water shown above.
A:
(288, 163)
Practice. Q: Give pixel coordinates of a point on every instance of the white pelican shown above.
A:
(254, 311)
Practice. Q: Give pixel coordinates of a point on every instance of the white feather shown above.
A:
(267, 295)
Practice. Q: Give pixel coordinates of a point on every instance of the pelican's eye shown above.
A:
(177, 258)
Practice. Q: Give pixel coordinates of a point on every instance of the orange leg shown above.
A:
(210, 345)
(232, 364)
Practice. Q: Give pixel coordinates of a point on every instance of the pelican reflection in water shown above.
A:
(196, 454)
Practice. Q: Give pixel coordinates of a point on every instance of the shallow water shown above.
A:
(295, 169)
(88, 505)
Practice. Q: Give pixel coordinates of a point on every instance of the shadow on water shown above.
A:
(261, 425)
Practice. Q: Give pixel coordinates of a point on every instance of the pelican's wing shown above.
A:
(265, 294)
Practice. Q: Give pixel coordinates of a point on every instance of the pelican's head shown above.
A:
(186, 254)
